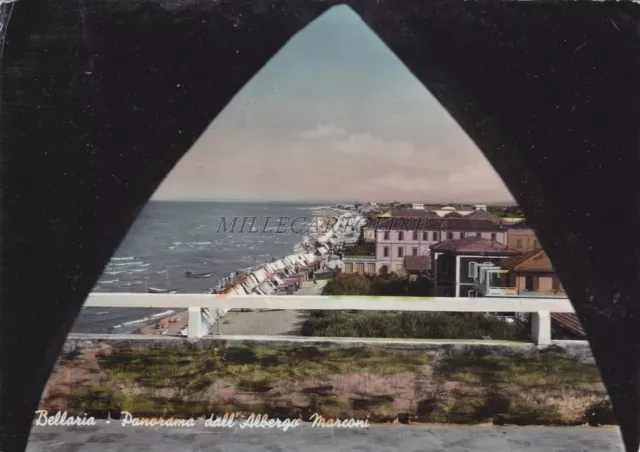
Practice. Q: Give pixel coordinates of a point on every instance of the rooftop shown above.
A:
(482, 215)
(474, 245)
(569, 322)
(531, 261)
(427, 223)
(413, 263)
(408, 213)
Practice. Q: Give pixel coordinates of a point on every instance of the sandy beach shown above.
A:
(263, 322)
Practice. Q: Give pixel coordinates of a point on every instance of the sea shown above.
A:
(172, 237)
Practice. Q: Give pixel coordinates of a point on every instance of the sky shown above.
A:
(365, 130)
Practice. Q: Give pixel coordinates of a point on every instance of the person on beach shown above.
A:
(314, 279)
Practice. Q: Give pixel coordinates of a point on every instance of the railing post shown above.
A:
(196, 327)
(541, 328)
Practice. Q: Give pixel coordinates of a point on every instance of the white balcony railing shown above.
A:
(199, 322)
(501, 291)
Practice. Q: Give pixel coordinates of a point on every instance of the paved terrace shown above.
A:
(382, 438)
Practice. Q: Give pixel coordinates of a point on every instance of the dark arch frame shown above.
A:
(93, 120)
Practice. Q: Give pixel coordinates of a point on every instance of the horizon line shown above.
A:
(334, 201)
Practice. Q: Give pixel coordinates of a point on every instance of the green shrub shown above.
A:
(377, 285)
(415, 325)
(348, 284)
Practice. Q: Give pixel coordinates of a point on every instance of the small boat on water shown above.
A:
(156, 290)
(197, 275)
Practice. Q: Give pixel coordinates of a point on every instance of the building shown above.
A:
(530, 274)
(455, 263)
(417, 206)
(398, 237)
(521, 237)
(369, 230)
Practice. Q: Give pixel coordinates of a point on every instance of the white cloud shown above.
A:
(326, 131)
(333, 138)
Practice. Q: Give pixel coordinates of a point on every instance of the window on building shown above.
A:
(443, 266)
(535, 244)
(400, 251)
(462, 235)
(414, 251)
(529, 283)
(519, 244)
(449, 235)
(479, 235)
(360, 268)
(425, 235)
(371, 268)
(473, 269)
(386, 235)
(435, 236)
(493, 236)
(348, 267)
(400, 235)
(415, 235)
(556, 284)
(385, 251)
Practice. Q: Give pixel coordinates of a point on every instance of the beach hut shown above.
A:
(260, 275)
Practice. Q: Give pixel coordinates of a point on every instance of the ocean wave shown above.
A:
(130, 264)
(127, 258)
(115, 273)
(198, 243)
(111, 281)
(145, 319)
(162, 314)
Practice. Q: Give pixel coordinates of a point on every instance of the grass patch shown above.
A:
(488, 407)
(419, 325)
(251, 368)
(330, 406)
(471, 387)
(548, 369)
